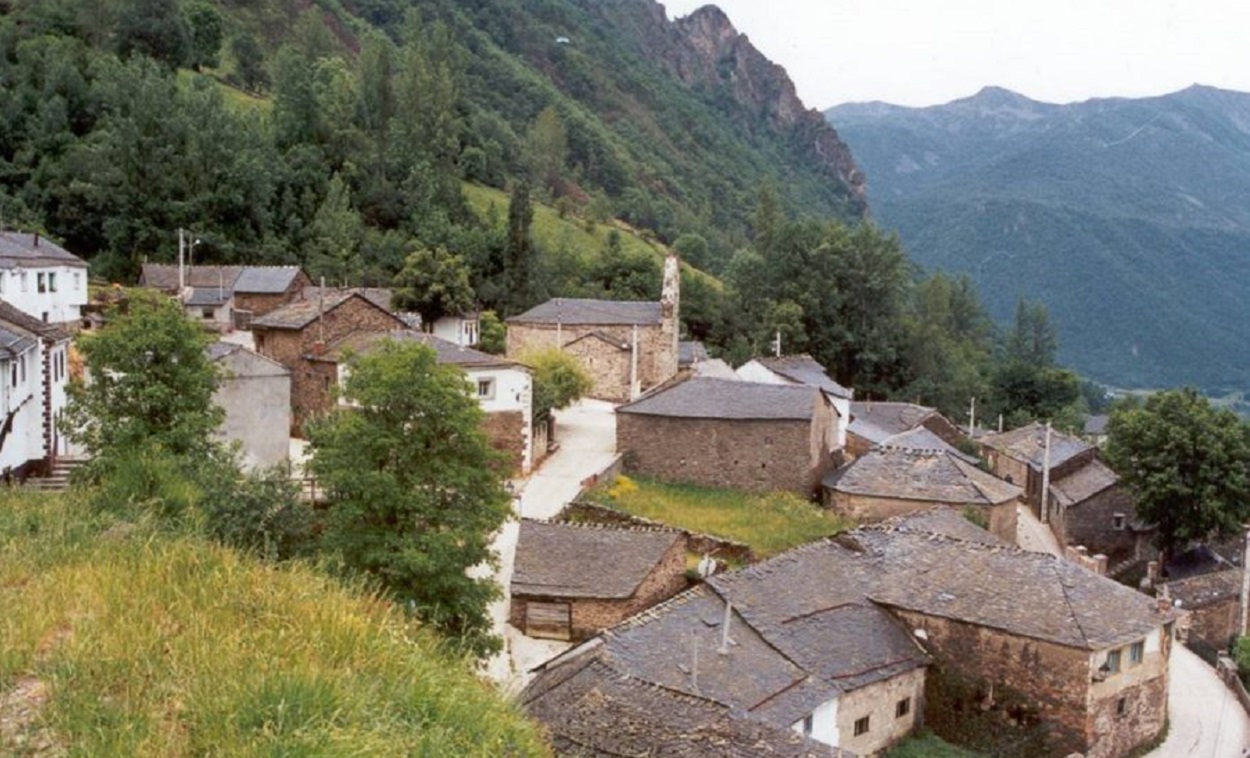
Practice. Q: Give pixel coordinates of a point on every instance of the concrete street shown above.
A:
(1033, 535)
(586, 433)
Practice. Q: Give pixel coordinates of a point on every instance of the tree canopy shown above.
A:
(1186, 463)
(414, 491)
(559, 381)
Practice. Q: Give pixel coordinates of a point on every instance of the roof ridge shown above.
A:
(1067, 599)
(594, 525)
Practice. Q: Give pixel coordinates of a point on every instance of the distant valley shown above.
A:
(1129, 218)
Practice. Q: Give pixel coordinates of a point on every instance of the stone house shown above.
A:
(778, 643)
(572, 581)
(42, 279)
(504, 389)
(1089, 508)
(303, 328)
(260, 290)
(34, 357)
(873, 423)
(226, 297)
(1017, 457)
(1083, 663)
(212, 307)
(1212, 605)
(255, 393)
(626, 347)
(802, 370)
(724, 433)
(889, 482)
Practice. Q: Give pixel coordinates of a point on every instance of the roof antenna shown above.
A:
(694, 659)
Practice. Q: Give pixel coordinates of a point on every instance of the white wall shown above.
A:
(754, 371)
(65, 291)
(24, 441)
(513, 391)
(461, 331)
(824, 723)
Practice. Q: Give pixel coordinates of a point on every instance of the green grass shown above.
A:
(926, 744)
(769, 523)
(158, 644)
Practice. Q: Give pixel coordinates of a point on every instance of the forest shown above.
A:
(348, 141)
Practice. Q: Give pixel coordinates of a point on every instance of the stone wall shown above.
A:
(1214, 623)
(657, 353)
(591, 616)
(608, 366)
(581, 512)
(879, 703)
(506, 432)
(1042, 688)
(743, 454)
(1092, 523)
(1001, 519)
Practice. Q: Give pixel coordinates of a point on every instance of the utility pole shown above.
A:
(972, 418)
(777, 344)
(1045, 506)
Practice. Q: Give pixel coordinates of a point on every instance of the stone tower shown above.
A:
(670, 319)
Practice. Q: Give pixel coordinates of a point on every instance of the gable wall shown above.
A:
(1091, 523)
(657, 352)
(878, 702)
(744, 454)
(1001, 518)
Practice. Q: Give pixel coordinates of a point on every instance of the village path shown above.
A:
(1033, 535)
(1206, 719)
(586, 432)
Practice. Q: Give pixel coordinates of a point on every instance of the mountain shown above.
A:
(1127, 217)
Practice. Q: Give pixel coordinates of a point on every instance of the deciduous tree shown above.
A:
(414, 495)
(433, 283)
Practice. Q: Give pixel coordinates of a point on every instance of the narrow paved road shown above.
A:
(1033, 535)
(1206, 719)
(587, 436)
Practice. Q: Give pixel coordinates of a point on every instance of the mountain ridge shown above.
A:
(1124, 215)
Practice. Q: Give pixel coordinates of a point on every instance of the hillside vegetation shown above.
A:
(1126, 217)
(139, 642)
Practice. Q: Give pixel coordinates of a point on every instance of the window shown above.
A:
(1136, 652)
(45, 317)
(77, 280)
(1117, 521)
(22, 280)
(486, 389)
(1121, 706)
(1113, 662)
(807, 724)
(41, 282)
(206, 312)
(902, 708)
(51, 281)
(861, 726)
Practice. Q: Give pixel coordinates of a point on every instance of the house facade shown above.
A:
(1090, 508)
(302, 329)
(255, 393)
(41, 278)
(504, 389)
(226, 297)
(803, 370)
(1018, 455)
(260, 290)
(572, 581)
(726, 433)
(626, 347)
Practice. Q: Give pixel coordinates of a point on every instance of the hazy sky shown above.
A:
(922, 52)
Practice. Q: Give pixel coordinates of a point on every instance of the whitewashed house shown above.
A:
(41, 278)
(462, 329)
(34, 370)
(255, 393)
(803, 370)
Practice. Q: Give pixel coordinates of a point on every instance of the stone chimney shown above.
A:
(670, 319)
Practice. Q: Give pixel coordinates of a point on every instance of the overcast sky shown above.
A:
(923, 52)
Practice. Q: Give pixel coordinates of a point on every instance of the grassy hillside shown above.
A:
(124, 641)
(1126, 217)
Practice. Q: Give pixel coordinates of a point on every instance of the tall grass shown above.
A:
(154, 644)
(769, 523)
(926, 744)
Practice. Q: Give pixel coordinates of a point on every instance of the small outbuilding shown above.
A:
(572, 581)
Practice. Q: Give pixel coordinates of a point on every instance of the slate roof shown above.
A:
(19, 318)
(1027, 444)
(1084, 483)
(1206, 589)
(577, 311)
(379, 296)
(22, 249)
(715, 368)
(592, 710)
(266, 280)
(944, 521)
(208, 296)
(983, 585)
(877, 422)
(921, 438)
(690, 353)
(582, 561)
(803, 369)
(300, 313)
(700, 397)
(922, 475)
(164, 276)
(14, 342)
(362, 343)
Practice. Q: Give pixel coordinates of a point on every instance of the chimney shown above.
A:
(670, 318)
(724, 631)
(36, 236)
(1045, 504)
(1245, 582)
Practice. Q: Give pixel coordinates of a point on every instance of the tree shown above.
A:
(413, 488)
(518, 252)
(205, 31)
(154, 28)
(335, 234)
(433, 283)
(249, 63)
(547, 145)
(151, 385)
(492, 334)
(1033, 340)
(1186, 464)
(559, 381)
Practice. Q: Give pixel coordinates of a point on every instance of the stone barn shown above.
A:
(626, 347)
(802, 369)
(1090, 508)
(889, 482)
(726, 433)
(571, 581)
